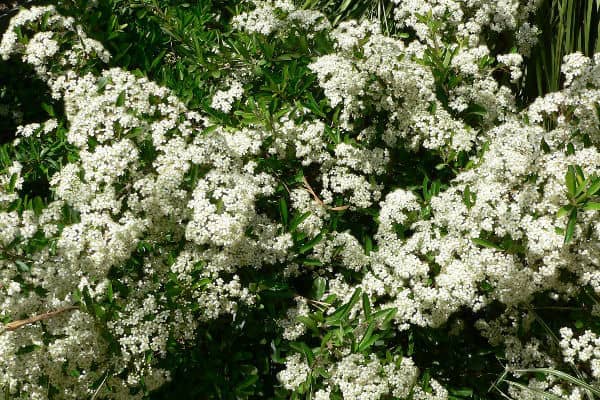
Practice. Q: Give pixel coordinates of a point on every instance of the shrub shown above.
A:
(342, 212)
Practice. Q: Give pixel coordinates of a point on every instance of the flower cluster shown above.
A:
(164, 216)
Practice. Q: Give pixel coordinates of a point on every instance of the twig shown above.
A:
(99, 387)
(311, 191)
(286, 187)
(321, 305)
(11, 326)
(318, 200)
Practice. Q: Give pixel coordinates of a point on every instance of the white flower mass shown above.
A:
(426, 265)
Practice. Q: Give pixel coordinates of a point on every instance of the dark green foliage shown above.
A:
(175, 43)
(171, 42)
(343, 10)
(566, 26)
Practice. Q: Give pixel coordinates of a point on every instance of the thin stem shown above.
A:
(12, 326)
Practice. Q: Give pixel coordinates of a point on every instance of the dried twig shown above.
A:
(311, 191)
(99, 387)
(321, 305)
(11, 326)
(318, 200)
(339, 208)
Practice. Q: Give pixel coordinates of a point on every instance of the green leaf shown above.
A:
(581, 188)
(368, 245)
(157, 59)
(561, 375)
(565, 210)
(476, 109)
(352, 302)
(311, 243)
(571, 225)
(319, 287)
(462, 392)
(109, 292)
(389, 313)
(120, 99)
(49, 109)
(102, 82)
(283, 210)
(286, 57)
(313, 106)
(21, 266)
(310, 324)
(303, 348)
(76, 297)
(545, 395)
(435, 187)
(201, 283)
(595, 187)
(312, 262)
(366, 305)
(571, 181)
(425, 187)
(38, 205)
(591, 206)
(249, 381)
(468, 197)
(89, 303)
(579, 175)
(75, 373)
(13, 182)
(342, 312)
(27, 349)
(297, 220)
(485, 243)
(368, 338)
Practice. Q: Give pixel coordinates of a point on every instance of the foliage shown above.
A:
(326, 200)
(566, 27)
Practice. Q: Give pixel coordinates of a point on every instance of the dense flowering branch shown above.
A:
(430, 194)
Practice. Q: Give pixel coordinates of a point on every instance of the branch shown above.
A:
(11, 326)
(318, 200)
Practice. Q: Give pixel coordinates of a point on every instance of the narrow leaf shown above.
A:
(120, 99)
(366, 305)
(21, 266)
(485, 243)
(562, 375)
(297, 220)
(283, 210)
(591, 206)
(310, 324)
(545, 395)
(594, 188)
(109, 292)
(571, 226)
(319, 287)
(368, 339)
(571, 181)
(311, 243)
(565, 210)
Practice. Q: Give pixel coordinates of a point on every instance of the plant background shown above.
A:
(240, 359)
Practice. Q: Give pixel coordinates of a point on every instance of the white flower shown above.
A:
(224, 99)
(295, 373)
